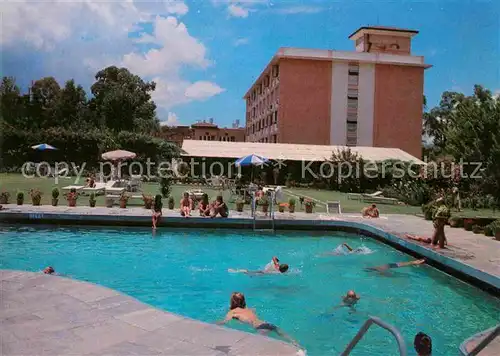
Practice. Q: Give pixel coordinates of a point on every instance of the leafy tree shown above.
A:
(11, 101)
(71, 109)
(45, 95)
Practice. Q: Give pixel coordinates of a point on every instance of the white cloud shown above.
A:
(241, 41)
(202, 90)
(292, 10)
(237, 11)
(74, 39)
(172, 120)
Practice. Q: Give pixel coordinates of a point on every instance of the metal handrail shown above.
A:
(374, 320)
(254, 211)
(492, 334)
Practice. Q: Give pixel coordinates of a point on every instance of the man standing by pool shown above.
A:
(440, 217)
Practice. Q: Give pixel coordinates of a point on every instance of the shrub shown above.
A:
(291, 202)
(55, 193)
(166, 186)
(488, 230)
(92, 199)
(36, 196)
(4, 197)
(309, 202)
(20, 196)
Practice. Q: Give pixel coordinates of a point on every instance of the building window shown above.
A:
(276, 71)
(275, 116)
(232, 138)
(201, 138)
(275, 138)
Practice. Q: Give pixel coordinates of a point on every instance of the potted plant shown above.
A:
(36, 196)
(468, 224)
(477, 229)
(239, 205)
(281, 207)
(109, 202)
(4, 197)
(123, 200)
(148, 201)
(171, 203)
(92, 200)
(264, 202)
(309, 204)
(291, 205)
(72, 196)
(20, 198)
(455, 222)
(55, 196)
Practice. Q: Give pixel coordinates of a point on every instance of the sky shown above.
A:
(205, 54)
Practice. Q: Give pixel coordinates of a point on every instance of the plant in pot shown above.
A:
(291, 205)
(92, 200)
(148, 201)
(20, 198)
(36, 196)
(455, 221)
(281, 207)
(309, 204)
(239, 205)
(55, 196)
(468, 224)
(477, 229)
(264, 202)
(171, 203)
(123, 200)
(4, 197)
(71, 197)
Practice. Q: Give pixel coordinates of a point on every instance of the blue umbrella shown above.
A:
(43, 147)
(251, 160)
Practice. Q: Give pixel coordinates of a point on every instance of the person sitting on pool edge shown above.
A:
(423, 344)
(204, 205)
(370, 212)
(49, 270)
(395, 265)
(186, 205)
(219, 208)
(157, 207)
(238, 310)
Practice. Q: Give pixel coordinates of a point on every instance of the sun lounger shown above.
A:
(76, 187)
(359, 196)
(98, 188)
(114, 191)
(379, 199)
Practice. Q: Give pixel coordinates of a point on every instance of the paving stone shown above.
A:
(149, 319)
(127, 349)
(253, 345)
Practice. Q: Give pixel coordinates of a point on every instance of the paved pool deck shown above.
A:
(50, 315)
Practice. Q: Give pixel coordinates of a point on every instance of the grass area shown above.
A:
(16, 182)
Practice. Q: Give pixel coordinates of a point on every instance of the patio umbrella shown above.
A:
(251, 160)
(43, 147)
(118, 155)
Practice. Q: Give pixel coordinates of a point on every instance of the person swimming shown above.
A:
(395, 265)
(271, 268)
(349, 300)
(238, 311)
(49, 270)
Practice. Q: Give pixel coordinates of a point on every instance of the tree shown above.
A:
(72, 107)
(122, 101)
(45, 95)
(11, 101)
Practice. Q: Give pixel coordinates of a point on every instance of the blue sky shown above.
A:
(205, 54)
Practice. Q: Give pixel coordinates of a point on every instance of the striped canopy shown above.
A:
(250, 160)
(43, 147)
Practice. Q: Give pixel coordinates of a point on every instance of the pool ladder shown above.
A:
(374, 320)
(268, 219)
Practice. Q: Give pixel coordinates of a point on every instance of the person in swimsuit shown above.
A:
(426, 240)
(49, 270)
(186, 205)
(204, 206)
(423, 344)
(349, 300)
(157, 207)
(271, 268)
(371, 212)
(395, 265)
(219, 208)
(238, 310)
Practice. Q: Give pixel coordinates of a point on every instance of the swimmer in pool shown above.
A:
(49, 270)
(349, 300)
(395, 265)
(272, 267)
(238, 311)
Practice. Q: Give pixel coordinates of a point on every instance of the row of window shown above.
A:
(263, 123)
(259, 88)
(221, 138)
(272, 139)
(352, 104)
(268, 102)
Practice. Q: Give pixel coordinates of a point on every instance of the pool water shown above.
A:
(186, 272)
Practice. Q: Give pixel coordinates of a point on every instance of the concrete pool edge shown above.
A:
(141, 217)
(67, 316)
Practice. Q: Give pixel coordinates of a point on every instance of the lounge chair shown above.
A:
(110, 189)
(379, 199)
(359, 196)
(333, 207)
(98, 188)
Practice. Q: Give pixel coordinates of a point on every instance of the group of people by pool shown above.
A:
(206, 209)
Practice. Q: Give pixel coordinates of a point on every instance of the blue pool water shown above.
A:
(185, 272)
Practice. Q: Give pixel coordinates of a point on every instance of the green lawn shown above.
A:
(16, 182)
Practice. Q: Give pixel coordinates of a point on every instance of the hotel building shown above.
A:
(372, 96)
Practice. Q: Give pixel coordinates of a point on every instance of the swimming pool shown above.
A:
(185, 272)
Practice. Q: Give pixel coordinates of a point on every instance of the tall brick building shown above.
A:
(372, 96)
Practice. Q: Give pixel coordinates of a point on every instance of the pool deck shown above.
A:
(474, 256)
(50, 315)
